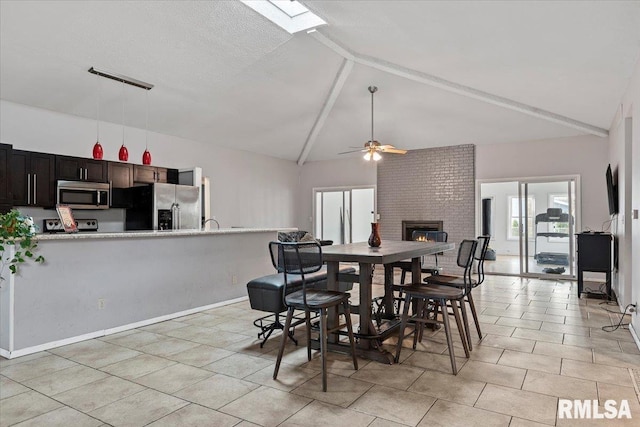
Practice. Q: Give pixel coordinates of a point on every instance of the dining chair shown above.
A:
(441, 297)
(300, 258)
(405, 266)
(479, 256)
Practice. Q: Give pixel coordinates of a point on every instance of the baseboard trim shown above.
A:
(72, 340)
(634, 334)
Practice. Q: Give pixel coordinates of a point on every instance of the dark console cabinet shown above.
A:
(594, 254)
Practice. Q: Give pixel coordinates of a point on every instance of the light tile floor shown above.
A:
(541, 343)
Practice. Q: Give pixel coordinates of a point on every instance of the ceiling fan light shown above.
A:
(367, 155)
(376, 156)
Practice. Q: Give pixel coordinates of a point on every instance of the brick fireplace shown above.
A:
(428, 188)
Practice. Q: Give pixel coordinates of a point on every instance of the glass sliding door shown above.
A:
(527, 238)
(343, 215)
(546, 219)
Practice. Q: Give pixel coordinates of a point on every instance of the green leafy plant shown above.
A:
(17, 231)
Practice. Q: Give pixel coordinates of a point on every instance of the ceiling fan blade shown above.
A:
(392, 149)
(353, 151)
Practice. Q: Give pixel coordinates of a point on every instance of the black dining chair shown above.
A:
(300, 258)
(405, 266)
(440, 297)
(479, 256)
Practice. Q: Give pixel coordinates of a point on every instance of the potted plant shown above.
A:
(19, 232)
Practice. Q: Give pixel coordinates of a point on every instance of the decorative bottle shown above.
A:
(374, 238)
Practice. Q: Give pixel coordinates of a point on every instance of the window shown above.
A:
(514, 217)
(288, 15)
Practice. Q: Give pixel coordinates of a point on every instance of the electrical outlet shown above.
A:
(101, 303)
(234, 279)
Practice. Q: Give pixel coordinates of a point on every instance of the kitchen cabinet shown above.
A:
(81, 169)
(120, 178)
(32, 177)
(5, 182)
(120, 175)
(150, 174)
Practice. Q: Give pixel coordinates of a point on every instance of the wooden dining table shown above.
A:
(371, 335)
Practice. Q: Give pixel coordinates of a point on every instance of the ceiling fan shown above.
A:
(373, 148)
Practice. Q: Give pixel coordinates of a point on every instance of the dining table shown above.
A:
(373, 330)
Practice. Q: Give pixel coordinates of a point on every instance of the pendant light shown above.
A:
(97, 148)
(123, 154)
(146, 156)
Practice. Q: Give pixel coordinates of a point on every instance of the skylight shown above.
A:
(290, 15)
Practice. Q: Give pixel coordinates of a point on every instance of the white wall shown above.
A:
(351, 171)
(247, 189)
(580, 155)
(624, 154)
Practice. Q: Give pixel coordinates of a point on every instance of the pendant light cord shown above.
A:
(146, 123)
(123, 113)
(98, 108)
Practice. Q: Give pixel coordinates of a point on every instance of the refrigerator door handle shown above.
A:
(175, 216)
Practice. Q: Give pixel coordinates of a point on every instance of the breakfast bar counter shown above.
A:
(94, 284)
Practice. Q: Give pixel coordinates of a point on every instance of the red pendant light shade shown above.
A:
(146, 157)
(97, 151)
(123, 154)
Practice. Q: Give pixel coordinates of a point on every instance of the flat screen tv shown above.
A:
(612, 192)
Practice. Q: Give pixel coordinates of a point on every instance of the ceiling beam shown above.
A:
(338, 84)
(459, 89)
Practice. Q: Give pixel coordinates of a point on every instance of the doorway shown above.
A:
(532, 224)
(343, 215)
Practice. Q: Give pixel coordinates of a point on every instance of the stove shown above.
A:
(54, 225)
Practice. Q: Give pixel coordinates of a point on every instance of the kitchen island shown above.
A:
(95, 284)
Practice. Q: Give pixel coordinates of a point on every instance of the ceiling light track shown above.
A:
(121, 78)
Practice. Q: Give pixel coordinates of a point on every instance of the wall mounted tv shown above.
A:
(612, 192)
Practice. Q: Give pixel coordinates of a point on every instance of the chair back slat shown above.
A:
(465, 260)
(296, 258)
(480, 255)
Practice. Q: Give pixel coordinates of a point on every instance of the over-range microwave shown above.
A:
(83, 195)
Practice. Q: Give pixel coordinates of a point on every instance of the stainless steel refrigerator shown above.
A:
(164, 207)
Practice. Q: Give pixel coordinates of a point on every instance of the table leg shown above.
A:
(416, 270)
(388, 290)
(365, 303)
(332, 285)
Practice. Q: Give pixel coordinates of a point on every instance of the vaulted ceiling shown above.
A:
(448, 73)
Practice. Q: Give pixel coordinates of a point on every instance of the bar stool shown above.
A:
(441, 297)
(300, 258)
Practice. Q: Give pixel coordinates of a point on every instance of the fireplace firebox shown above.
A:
(408, 227)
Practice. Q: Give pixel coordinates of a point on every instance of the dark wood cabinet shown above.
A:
(594, 254)
(32, 177)
(150, 174)
(81, 169)
(6, 199)
(120, 175)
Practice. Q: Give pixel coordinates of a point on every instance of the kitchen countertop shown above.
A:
(155, 233)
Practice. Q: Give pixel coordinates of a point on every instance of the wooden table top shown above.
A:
(389, 251)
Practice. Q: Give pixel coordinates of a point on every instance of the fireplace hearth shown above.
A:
(409, 226)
